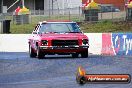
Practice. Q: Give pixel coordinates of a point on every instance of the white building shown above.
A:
(43, 4)
(66, 6)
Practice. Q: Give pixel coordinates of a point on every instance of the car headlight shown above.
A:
(44, 42)
(85, 41)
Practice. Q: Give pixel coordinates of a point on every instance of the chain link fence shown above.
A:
(74, 14)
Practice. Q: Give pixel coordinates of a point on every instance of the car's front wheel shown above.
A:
(84, 54)
(31, 52)
(40, 54)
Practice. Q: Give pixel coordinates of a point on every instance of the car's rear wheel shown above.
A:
(75, 55)
(31, 52)
(40, 54)
(84, 54)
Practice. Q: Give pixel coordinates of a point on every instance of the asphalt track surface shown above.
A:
(18, 70)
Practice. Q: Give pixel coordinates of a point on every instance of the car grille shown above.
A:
(64, 42)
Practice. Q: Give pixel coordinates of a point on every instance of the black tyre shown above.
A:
(40, 54)
(31, 52)
(75, 55)
(84, 54)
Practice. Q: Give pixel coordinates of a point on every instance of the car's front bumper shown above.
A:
(64, 47)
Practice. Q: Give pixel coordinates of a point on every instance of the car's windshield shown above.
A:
(59, 27)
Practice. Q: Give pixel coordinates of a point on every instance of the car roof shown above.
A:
(56, 21)
(59, 21)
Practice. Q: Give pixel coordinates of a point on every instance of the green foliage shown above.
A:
(22, 29)
(106, 26)
(99, 27)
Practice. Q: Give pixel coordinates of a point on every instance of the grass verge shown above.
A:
(100, 27)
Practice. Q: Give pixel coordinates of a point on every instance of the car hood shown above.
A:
(63, 36)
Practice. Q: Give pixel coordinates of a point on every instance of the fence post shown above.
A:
(39, 15)
(125, 13)
(69, 15)
(112, 13)
(30, 18)
(79, 13)
(101, 15)
(49, 9)
(12, 18)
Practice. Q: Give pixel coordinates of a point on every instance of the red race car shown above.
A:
(58, 37)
